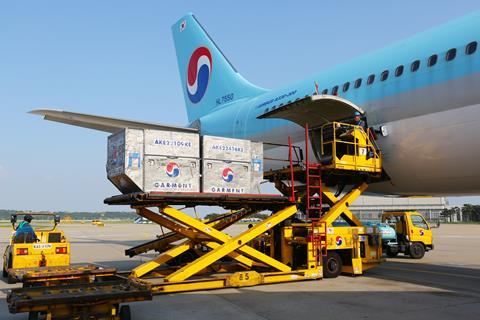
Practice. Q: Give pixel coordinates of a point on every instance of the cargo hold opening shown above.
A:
(316, 111)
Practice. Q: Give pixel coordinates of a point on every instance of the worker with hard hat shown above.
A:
(24, 227)
(357, 120)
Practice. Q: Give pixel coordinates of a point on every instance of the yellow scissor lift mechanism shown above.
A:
(277, 249)
(221, 260)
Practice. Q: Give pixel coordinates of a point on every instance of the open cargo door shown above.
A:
(315, 110)
(318, 110)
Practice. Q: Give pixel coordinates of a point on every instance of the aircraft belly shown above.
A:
(433, 154)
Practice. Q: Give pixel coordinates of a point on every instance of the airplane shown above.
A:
(422, 93)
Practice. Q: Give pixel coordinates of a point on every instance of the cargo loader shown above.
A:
(298, 241)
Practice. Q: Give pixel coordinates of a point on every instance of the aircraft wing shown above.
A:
(106, 124)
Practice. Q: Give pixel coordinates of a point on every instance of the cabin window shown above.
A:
(325, 91)
(358, 83)
(451, 54)
(399, 71)
(471, 48)
(335, 90)
(415, 65)
(432, 60)
(370, 79)
(419, 222)
(346, 85)
(384, 75)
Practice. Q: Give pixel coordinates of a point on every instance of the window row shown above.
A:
(414, 66)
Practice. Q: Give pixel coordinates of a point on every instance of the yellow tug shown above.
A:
(49, 249)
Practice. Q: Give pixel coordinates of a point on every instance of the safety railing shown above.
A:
(296, 153)
(349, 147)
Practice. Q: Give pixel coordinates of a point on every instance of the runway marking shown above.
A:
(434, 272)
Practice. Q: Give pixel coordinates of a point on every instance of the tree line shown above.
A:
(469, 213)
(106, 215)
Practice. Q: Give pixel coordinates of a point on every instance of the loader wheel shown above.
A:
(8, 264)
(125, 313)
(417, 250)
(332, 265)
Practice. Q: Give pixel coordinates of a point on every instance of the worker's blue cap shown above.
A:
(357, 113)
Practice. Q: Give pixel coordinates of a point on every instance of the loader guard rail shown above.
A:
(342, 146)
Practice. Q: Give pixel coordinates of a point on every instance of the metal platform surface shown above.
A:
(41, 274)
(227, 201)
(45, 298)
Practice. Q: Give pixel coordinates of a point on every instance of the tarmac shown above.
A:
(445, 284)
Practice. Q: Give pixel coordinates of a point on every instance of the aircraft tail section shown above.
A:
(208, 79)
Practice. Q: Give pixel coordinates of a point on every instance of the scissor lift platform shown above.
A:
(50, 275)
(224, 200)
(220, 259)
(79, 301)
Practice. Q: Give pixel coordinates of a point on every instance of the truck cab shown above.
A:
(413, 234)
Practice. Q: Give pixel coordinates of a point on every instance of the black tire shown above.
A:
(417, 250)
(391, 254)
(9, 266)
(332, 265)
(33, 315)
(125, 313)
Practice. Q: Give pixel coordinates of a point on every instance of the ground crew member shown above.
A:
(24, 227)
(357, 120)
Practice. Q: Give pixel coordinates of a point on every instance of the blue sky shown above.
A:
(117, 58)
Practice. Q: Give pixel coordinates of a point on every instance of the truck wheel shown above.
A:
(5, 273)
(9, 266)
(125, 313)
(391, 254)
(417, 250)
(332, 265)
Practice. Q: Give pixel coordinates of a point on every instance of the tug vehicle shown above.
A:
(50, 248)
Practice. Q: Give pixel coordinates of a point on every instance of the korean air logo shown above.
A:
(227, 175)
(421, 232)
(172, 170)
(338, 240)
(198, 73)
